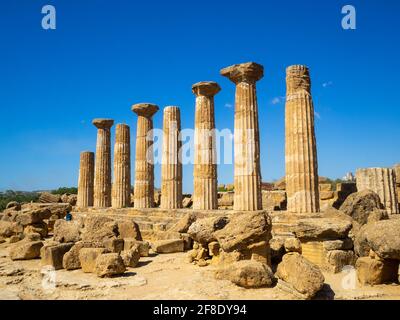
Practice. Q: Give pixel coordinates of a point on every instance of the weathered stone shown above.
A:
(86, 180)
(109, 265)
(8, 229)
(292, 245)
(88, 257)
(129, 229)
(326, 195)
(71, 258)
(213, 248)
(274, 200)
(375, 271)
(27, 217)
(53, 254)
(14, 205)
(25, 250)
(304, 276)
(121, 188)
(383, 182)
(337, 259)
(247, 137)
(40, 228)
(360, 205)
(187, 202)
(345, 244)
(205, 191)
(171, 167)
(46, 197)
(144, 246)
(383, 237)
(98, 228)
(66, 231)
(277, 249)
(131, 257)
(301, 151)
(377, 215)
(202, 230)
(247, 274)
(226, 199)
(168, 246)
(144, 168)
(114, 245)
(244, 229)
(182, 226)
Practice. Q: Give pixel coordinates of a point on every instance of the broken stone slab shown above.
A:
(109, 265)
(376, 271)
(247, 274)
(182, 226)
(244, 229)
(131, 257)
(14, 205)
(202, 230)
(383, 237)
(66, 231)
(360, 205)
(8, 229)
(144, 246)
(25, 250)
(28, 217)
(40, 228)
(337, 259)
(304, 276)
(98, 228)
(52, 254)
(345, 244)
(292, 245)
(129, 229)
(46, 197)
(114, 245)
(87, 258)
(168, 246)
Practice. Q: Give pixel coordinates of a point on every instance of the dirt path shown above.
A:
(157, 277)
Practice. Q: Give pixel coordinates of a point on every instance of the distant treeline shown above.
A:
(26, 196)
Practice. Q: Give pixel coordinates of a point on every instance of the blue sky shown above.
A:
(106, 55)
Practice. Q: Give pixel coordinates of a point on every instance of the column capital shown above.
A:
(103, 123)
(298, 77)
(249, 71)
(145, 109)
(206, 88)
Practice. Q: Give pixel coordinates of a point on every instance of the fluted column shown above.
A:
(102, 177)
(122, 167)
(86, 180)
(246, 135)
(171, 167)
(205, 193)
(300, 150)
(382, 181)
(144, 167)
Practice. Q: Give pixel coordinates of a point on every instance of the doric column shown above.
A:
(171, 167)
(102, 177)
(205, 194)
(246, 135)
(381, 181)
(86, 180)
(300, 150)
(144, 167)
(122, 167)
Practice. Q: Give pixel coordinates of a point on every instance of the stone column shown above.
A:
(300, 150)
(86, 180)
(102, 177)
(171, 167)
(246, 135)
(205, 194)
(122, 167)
(381, 181)
(144, 167)
(396, 169)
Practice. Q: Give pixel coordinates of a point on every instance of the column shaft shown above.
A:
(300, 148)
(122, 167)
(171, 167)
(86, 180)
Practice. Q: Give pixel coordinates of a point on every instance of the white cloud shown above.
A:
(278, 100)
(327, 84)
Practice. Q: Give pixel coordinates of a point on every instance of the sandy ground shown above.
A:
(159, 277)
